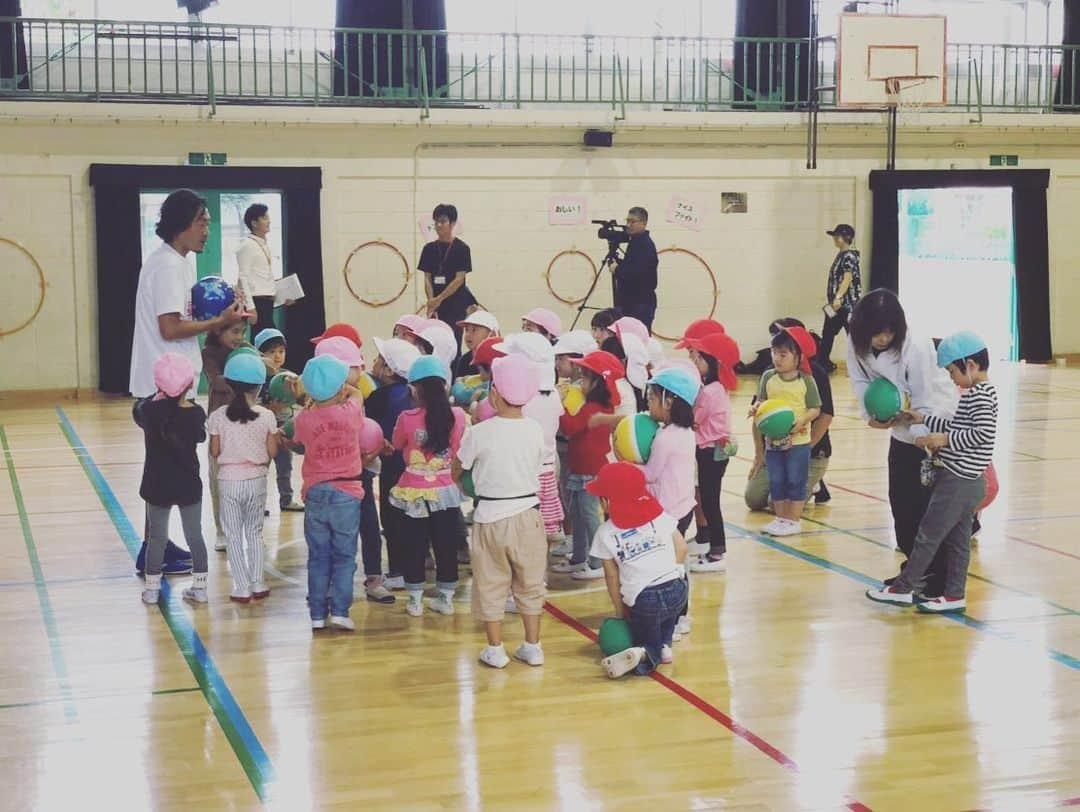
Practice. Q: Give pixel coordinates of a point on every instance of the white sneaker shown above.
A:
(706, 563)
(787, 527)
(194, 595)
(220, 545)
(888, 594)
(697, 547)
(151, 596)
(415, 607)
(442, 604)
(625, 661)
(675, 636)
(530, 653)
(566, 566)
(667, 656)
(588, 574)
(564, 550)
(344, 624)
(495, 656)
(941, 604)
(772, 527)
(682, 627)
(318, 624)
(395, 582)
(511, 605)
(240, 596)
(259, 590)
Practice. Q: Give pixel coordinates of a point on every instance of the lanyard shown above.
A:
(262, 248)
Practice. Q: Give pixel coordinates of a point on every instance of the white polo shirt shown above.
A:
(165, 283)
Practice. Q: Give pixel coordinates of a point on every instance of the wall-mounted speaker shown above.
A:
(598, 138)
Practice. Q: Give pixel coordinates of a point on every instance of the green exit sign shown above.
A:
(1004, 160)
(207, 158)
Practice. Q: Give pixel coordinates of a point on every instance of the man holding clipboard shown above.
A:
(842, 291)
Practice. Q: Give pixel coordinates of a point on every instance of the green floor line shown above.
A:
(33, 703)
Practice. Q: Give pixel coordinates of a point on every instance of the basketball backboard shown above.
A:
(888, 58)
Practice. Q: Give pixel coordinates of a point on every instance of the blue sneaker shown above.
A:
(174, 552)
(168, 567)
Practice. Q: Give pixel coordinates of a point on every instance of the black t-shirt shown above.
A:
(171, 470)
(821, 378)
(444, 261)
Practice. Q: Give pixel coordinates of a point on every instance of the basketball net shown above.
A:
(906, 104)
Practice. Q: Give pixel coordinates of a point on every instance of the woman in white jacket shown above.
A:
(881, 347)
(257, 284)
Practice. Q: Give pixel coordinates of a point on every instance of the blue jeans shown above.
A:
(787, 473)
(653, 617)
(331, 527)
(583, 509)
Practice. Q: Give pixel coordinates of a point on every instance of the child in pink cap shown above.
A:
(543, 321)
(408, 327)
(509, 546)
(173, 427)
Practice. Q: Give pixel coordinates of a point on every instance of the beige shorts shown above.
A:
(509, 557)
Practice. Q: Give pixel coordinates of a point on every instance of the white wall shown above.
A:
(382, 171)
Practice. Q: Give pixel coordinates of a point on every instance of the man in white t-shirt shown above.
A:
(163, 320)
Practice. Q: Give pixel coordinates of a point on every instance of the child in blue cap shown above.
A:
(270, 342)
(963, 447)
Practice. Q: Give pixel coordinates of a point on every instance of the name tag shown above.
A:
(440, 280)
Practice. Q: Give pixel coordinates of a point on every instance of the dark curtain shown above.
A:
(119, 252)
(772, 74)
(13, 70)
(1067, 94)
(378, 64)
(1032, 261)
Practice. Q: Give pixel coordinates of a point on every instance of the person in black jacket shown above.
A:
(634, 277)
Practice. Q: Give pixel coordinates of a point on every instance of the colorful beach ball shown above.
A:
(573, 400)
(882, 400)
(775, 418)
(464, 388)
(209, 296)
(634, 437)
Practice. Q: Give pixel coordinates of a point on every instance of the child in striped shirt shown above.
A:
(964, 446)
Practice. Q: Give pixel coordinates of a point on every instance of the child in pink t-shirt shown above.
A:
(428, 438)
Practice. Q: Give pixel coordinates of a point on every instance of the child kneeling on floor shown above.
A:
(509, 546)
(643, 553)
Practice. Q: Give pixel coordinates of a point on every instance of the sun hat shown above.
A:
(246, 369)
(963, 344)
(428, 366)
(655, 351)
(266, 335)
(398, 354)
(481, 318)
(173, 374)
(412, 322)
(442, 340)
(542, 317)
(628, 325)
(723, 348)
(487, 351)
(342, 349)
(678, 382)
(341, 330)
(607, 367)
(514, 377)
(576, 342)
(637, 359)
(323, 376)
(807, 345)
(537, 350)
(698, 329)
(629, 503)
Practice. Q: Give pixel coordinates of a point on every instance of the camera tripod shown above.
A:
(612, 256)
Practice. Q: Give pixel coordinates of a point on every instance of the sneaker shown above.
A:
(169, 565)
(625, 661)
(708, 563)
(240, 596)
(941, 604)
(682, 626)
(342, 623)
(415, 608)
(395, 582)
(442, 604)
(259, 590)
(151, 596)
(511, 605)
(174, 552)
(378, 593)
(556, 538)
(771, 528)
(495, 656)
(317, 624)
(667, 656)
(588, 574)
(194, 595)
(890, 594)
(567, 567)
(676, 636)
(822, 495)
(564, 550)
(697, 547)
(220, 544)
(530, 653)
(292, 506)
(787, 527)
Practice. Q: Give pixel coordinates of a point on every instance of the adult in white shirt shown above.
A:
(163, 320)
(253, 258)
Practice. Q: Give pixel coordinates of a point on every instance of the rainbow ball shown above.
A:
(633, 438)
(774, 418)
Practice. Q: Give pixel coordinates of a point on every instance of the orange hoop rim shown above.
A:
(569, 252)
(404, 263)
(712, 278)
(41, 286)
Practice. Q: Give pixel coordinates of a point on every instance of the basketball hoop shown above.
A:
(898, 97)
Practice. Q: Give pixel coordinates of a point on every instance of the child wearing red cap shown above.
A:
(642, 553)
(589, 445)
(788, 458)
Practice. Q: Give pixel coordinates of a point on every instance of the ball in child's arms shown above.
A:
(775, 418)
(615, 636)
(245, 350)
(366, 384)
(484, 410)
(288, 429)
(992, 488)
(573, 400)
(209, 296)
(633, 438)
(882, 400)
(463, 389)
(466, 484)
(371, 436)
(285, 387)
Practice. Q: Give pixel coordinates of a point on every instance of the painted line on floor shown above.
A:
(249, 750)
(48, 617)
(123, 695)
(89, 579)
(710, 710)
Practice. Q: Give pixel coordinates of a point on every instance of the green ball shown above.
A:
(882, 400)
(615, 636)
(289, 430)
(466, 484)
(279, 388)
(243, 350)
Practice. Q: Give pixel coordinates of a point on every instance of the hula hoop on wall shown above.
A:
(554, 259)
(404, 264)
(712, 278)
(41, 287)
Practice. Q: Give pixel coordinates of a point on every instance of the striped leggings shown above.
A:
(242, 504)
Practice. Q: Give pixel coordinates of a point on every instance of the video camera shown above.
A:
(612, 231)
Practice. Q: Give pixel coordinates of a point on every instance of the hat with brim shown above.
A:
(606, 367)
(323, 376)
(398, 354)
(629, 502)
(698, 329)
(340, 330)
(173, 374)
(341, 348)
(481, 318)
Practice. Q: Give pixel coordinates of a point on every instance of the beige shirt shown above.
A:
(256, 274)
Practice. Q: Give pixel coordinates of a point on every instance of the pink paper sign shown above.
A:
(686, 212)
(567, 210)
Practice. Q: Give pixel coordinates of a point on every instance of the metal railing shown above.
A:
(206, 63)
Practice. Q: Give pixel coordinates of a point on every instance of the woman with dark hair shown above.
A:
(253, 259)
(444, 262)
(882, 347)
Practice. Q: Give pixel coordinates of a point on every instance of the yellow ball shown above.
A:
(366, 385)
(573, 400)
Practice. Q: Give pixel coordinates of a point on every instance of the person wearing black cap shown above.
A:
(841, 293)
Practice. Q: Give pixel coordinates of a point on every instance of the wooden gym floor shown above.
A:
(792, 692)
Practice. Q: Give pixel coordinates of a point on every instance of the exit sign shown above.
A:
(207, 158)
(1004, 160)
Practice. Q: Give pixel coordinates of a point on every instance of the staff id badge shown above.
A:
(439, 280)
